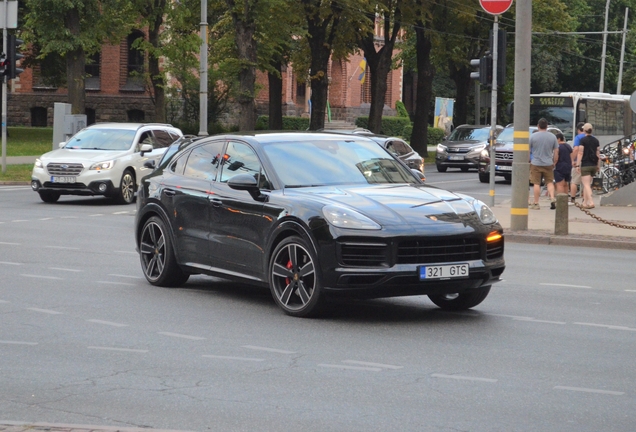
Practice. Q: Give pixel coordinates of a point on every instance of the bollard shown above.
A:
(561, 216)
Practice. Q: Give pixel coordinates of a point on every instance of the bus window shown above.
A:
(606, 116)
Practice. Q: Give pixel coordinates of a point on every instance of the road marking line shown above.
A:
(121, 212)
(3, 301)
(47, 311)
(10, 244)
(607, 326)
(274, 350)
(10, 263)
(116, 283)
(461, 377)
(17, 342)
(20, 220)
(380, 365)
(62, 247)
(110, 323)
(178, 335)
(360, 368)
(539, 321)
(234, 358)
(589, 390)
(41, 277)
(65, 269)
(126, 276)
(630, 290)
(96, 214)
(69, 217)
(512, 316)
(44, 219)
(566, 285)
(118, 349)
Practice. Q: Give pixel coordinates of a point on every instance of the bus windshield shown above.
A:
(561, 117)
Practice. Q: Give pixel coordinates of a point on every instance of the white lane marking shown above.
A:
(539, 321)
(20, 220)
(10, 263)
(43, 219)
(179, 335)
(17, 342)
(62, 247)
(611, 327)
(69, 217)
(41, 277)
(110, 323)
(630, 290)
(3, 301)
(122, 212)
(590, 390)
(47, 311)
(96, 214)
(380, 365)
(360, 368)
(234, 358)
(467, 378)
(118, 349)
(566, 285)
(126, 252)
(10, 244)
(512, 316)
(274, 350)
(116, 283)
(126, 276)
(65, 269)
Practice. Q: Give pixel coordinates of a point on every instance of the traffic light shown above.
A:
(501, 56)
(484, 74)
(3, 64)
(13, 44)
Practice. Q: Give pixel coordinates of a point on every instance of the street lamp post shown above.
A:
(203, 71)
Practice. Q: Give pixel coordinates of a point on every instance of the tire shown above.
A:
(156, 254)
(441, 168)
(294, 278)
(464, 169)
(126, 192)
(463, 301)
(49, 196)
(484, 177)
(508, 178)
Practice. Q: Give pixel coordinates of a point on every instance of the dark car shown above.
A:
(462, 147)
(503, 154)
(313, 215)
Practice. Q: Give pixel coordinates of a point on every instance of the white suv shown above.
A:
(102, 159)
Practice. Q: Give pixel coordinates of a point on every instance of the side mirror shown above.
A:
(247, 183)
(145, 148)
(62, 144)
(419, 174)
(150, 164)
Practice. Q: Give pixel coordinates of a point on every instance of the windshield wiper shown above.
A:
(302, 186)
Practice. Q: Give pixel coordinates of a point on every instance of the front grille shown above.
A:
(360, 254)
(495, 249)
(64, 169)
(438, 250)
(457, 150)
(504, 155)
(64, 185)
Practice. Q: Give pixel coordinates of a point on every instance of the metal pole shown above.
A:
(493, 108)
(521, 158)
(203, 71)
(620, 67)
(602, 82)
(4, 90)
(477, 102)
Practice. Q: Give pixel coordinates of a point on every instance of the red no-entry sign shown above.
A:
(495, 7)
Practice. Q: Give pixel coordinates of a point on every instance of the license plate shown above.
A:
(503, 168)
(456, 157)
(62, 179)
(443, 271)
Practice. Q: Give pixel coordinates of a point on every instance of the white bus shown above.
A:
(610, 115)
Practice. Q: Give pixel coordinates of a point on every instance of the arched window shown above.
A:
(90, 116)
(135, 62)
(92, 70)
(38, 117)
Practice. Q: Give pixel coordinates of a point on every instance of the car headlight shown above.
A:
(441, 148)
(103, 165)
(38, 163)
(485, 153)
(484, 212)
(343, 217)
(480, 147)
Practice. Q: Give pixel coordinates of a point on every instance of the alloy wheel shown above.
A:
(153, 251)
(293, 276)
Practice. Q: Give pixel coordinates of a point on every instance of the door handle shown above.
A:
(215, 201)
(169, 192)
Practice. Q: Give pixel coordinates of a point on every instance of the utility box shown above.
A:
(74, 123)
(65, 124)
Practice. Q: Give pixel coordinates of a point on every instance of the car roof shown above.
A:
(127, 126)
(265, 137)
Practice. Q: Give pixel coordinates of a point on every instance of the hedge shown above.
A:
(392, 126)
(289, 123)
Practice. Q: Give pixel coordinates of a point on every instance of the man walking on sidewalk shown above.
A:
(544, 149)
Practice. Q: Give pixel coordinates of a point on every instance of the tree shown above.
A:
(87, 24)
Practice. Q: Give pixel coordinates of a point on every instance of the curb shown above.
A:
(14, 183)
(13, 426)
(546, 238)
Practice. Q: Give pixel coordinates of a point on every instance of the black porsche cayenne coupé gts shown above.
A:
(313, 215)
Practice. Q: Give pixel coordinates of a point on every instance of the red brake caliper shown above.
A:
(289, 266)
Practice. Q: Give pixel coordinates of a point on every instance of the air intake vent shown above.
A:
(438, 250)
(359, 254)
(495, 249)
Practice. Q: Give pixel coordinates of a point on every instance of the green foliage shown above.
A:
(289, 123)
(392, 126)
(401, 109)
(17, 173)
(29, 141)
(435, 135)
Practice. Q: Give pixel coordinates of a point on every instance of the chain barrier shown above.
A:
(600, 219)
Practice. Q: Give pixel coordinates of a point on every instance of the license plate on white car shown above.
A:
(456, 157)
(443, 271)
(62, 179)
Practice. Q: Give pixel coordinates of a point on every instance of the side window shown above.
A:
(146, 138)
(401, 148)
(178, 165)
(239, 158)
(203, 161)
(162, 138)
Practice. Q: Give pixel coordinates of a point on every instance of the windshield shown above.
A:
(332, 162)
(506, 135)
(559, 116)
(470, 134)
(102, 139)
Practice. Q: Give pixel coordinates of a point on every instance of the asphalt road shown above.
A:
(84, 339)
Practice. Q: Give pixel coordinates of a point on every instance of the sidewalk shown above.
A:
(583, 229)
(11, 426)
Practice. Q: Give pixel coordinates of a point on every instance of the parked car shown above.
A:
(503, 154)
(395, 145)
(462, 147)
(103, 159)
(313, 215)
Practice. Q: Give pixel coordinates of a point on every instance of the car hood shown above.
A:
(402, 204)
(504, 146)
(80, 156)
(463, 144)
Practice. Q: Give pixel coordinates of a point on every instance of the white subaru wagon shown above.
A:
(103, 159)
